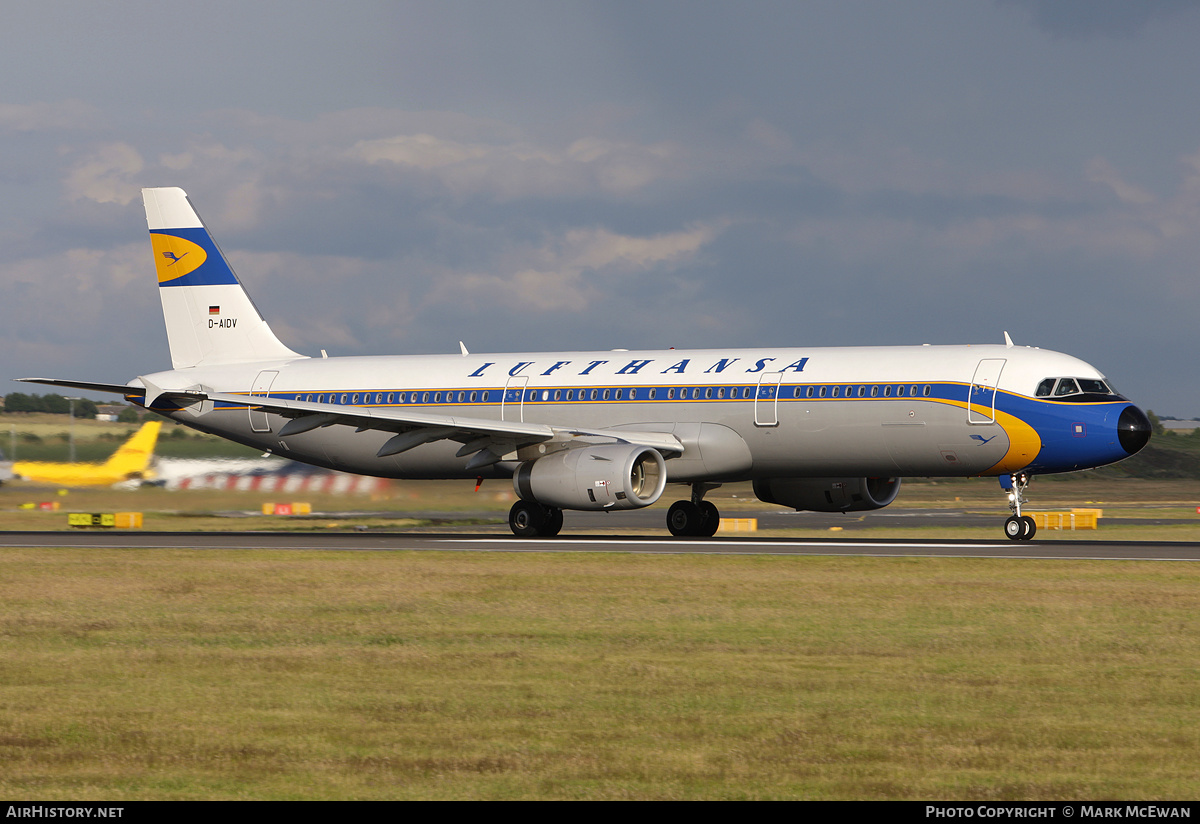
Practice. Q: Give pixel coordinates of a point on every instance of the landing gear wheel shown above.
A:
(684, 519)
(712, 519)
(554, 522)
(529, 519)
(525, 519)
(1030, 527)
(1014, 528)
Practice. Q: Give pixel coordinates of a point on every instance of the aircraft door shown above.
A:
(766, 401)
(981, 399)
(261, 388)
(512, 405)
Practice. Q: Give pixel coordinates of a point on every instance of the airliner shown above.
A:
(130, 462)
(819, 429)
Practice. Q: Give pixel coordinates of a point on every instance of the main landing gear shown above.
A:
(1018, 527)
(529, 519)
(695, 518)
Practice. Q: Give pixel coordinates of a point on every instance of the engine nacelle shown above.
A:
(828, 494)
(613, 476)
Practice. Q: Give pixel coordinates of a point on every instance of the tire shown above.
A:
(712, 519)
(1014, 528)
(553, 524)
(526, 519)
(684, 519)
(1030, 528)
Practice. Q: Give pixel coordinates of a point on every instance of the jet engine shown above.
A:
(612, 476)
(828, 494)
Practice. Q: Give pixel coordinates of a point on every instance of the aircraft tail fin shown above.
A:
(133, 457)
(210, 317)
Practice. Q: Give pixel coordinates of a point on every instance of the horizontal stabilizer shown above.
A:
(119, 388)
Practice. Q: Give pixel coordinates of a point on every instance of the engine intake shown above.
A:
(613, 476)
(828, 494)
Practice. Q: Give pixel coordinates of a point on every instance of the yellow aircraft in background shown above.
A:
(129, 463)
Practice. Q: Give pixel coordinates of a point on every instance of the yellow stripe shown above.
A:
(1024, 443)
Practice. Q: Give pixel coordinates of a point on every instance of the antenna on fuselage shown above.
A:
(463, 347)
(1008, 341)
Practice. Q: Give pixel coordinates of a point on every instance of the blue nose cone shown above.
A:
(1133, 429)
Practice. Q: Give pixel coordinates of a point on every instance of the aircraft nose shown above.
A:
(1133, 429)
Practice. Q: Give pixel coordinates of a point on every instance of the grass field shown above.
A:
(156, 674)
(255, 674)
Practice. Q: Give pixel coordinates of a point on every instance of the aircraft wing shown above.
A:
(488, 440)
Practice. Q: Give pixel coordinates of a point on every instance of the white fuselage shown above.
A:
(740, 414)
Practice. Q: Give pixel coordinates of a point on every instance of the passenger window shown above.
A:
(605, 396)
(653, 393)
(821, 392)
(928, 389)
(670, 394)
(887, 391)
(474, 395)
(594, 394)
(836, 390)
(633, 394)
(485, 396)
(899, 391)
(874, 391)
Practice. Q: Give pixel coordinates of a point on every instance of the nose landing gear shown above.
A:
(1018, 527)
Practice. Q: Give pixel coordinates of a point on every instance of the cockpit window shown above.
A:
(1066, 386)
(1097, 387)
(1075, 389)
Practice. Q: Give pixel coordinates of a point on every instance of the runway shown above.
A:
(400, 541)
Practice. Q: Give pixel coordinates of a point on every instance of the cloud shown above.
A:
(1100, 170)
(106, 175)
(1085, 19)
(572, 272)
(40, 117)
(524, 169)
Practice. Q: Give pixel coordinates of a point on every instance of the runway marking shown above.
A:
(863, 550)
(391, 542)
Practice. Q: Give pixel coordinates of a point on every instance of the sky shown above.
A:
(393, 177)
